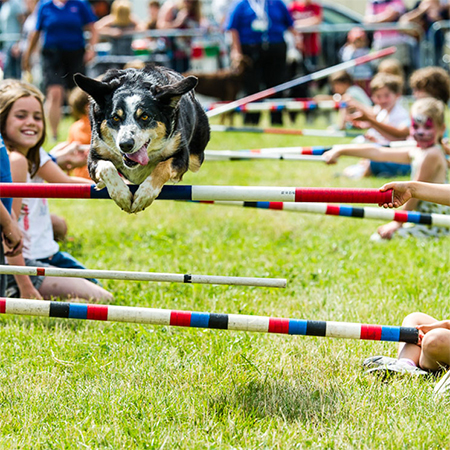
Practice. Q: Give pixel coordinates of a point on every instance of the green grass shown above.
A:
(78, 384)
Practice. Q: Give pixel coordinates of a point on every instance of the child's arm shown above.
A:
(428, 327)
(26, 288)
(52, 173)
(364, 113)
(370, 151)
(404, 190)
(12, 237)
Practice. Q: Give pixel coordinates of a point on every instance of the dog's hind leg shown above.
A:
(107, 175)
(151, 187)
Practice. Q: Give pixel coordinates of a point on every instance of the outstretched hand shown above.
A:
(70, 156)
(401, 193)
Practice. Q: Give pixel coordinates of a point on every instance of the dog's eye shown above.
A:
(144, 117)
(116, 118)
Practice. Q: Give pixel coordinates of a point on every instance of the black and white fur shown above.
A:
(146, 126)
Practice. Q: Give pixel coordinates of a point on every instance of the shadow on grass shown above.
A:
(296, 400)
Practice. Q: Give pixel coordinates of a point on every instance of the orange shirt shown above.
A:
(80, 131)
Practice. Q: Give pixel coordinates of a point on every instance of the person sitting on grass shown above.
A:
(427, 160)
(23, 129)
(432, 353)
(387, 121)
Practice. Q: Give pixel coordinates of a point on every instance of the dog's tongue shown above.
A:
(140, 156)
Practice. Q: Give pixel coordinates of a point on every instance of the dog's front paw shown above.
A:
(144, 197)
(123, 198)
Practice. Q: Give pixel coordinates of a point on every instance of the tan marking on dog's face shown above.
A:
(107, 137)
(119, 113)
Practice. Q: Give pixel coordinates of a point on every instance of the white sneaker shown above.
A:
(376, 361)
(398, 367)
(443, 386)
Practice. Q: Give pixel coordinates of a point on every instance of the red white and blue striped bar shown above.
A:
(143, 276)
(437, 220)
(295, 105)
(221, 155)
(315, 150)
(287, 131)
(205, 193)
(232, 322)
(302, 80)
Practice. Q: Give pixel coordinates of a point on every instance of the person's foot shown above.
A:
(397, 367)
(443, 386)
(378, 360)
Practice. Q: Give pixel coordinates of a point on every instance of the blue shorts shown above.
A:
(389, 169)
(65, 260)
(12, 289)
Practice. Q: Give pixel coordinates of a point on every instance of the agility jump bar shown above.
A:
(316, 150)
(143, 276)
(295, 105)
(205, 193)
(437, 220)
(232, 322)
(302, 80)
(211, 155)
(288, 131)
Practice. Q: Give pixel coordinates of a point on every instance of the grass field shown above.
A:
(79, 384)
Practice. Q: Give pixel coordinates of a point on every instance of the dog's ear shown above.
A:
(170, 95)
(98, 90)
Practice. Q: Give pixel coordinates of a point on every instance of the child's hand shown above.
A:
(388, 230)
(402, 193)
(30, 291)
(331, 156)
(69, 156)
(424, 329)
(13, 239)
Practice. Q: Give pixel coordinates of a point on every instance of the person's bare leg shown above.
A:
(67, 288)
(59, 227)
(412, 351)
(53, 105)
(435, 349)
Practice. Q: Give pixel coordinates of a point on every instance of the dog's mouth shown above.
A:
(137, 158)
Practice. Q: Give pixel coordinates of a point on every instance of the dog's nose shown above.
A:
(127, 146)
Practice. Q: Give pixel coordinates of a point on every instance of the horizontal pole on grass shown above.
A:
(302, 80)
(311, 150)
(287, 131)
(293, 105)
(212, 155)
(437, 220)
(205, 193)
(143, 276)
(232, 322)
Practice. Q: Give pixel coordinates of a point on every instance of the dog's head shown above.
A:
(134, 113)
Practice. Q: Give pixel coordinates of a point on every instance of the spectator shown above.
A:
(62, 23)
(388, 11)
(257, 31)
(80, 130)
(424, 14)
(345, 89)
(23, 128)
(305, 14)
(358, 45)
(427, 160)
(118, 27)
(12, 17)
(181, 15)
(153, 12)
